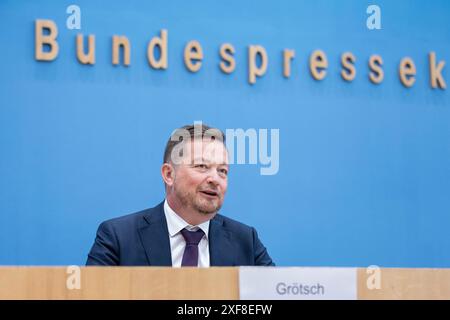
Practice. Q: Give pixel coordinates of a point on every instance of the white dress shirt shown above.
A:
(177, 243)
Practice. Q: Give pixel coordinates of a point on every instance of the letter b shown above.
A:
(49, 39)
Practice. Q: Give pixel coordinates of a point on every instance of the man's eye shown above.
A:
(224, 171)
(201, 166)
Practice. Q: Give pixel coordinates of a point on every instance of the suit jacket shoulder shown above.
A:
(132, 239)
(242, 244)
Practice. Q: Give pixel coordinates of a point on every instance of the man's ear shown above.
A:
(168, 173)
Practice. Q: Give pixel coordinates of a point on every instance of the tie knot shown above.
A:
(192, 237)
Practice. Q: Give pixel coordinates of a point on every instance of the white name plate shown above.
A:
(297, 283)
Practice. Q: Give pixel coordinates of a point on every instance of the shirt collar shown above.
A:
(175, 223)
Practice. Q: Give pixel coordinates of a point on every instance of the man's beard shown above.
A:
(199, 204)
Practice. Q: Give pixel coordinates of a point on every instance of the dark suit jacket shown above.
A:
(142, 239)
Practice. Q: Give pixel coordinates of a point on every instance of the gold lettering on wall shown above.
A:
(193, 56)
(348, 72)
(253, 70)
(228, 63)
(49, 39)
(117, 43)
(86, 58)
(375, 63)
(288, 55)
(161, 43)
(436, 78)
(318, 64)
(407, 71)
(46, 48)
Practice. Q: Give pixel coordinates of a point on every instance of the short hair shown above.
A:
(177, 136)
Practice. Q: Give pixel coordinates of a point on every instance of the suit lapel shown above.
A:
(221, 249)
(155, 237)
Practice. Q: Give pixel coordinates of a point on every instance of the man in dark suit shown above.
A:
(185, 229)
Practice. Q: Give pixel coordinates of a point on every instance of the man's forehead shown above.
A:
(206, 160)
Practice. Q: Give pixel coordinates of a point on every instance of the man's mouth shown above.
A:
(210, 193)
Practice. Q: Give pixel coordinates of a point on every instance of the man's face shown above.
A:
(200, 181)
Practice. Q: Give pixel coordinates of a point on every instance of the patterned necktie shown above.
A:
(190, 255)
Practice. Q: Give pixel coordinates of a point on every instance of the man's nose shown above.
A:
(213, 177)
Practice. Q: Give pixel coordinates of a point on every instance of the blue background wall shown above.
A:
(364, 170)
